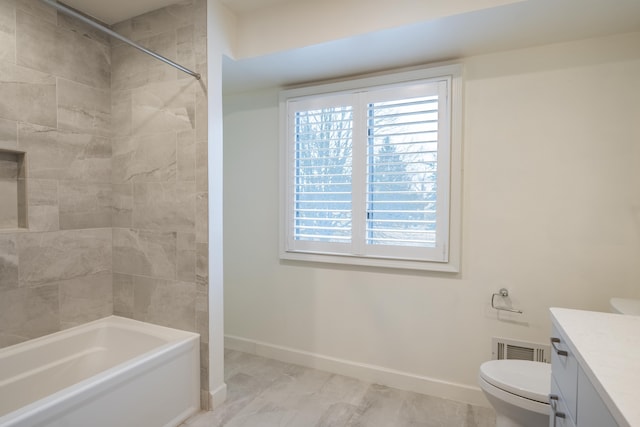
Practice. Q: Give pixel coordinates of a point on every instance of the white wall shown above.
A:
(551, 211)
(220, 40)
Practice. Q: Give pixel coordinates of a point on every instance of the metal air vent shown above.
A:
(503, 348)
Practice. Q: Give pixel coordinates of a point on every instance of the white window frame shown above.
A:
(451, 154)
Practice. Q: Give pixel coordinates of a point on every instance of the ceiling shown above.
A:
(511, 26)
(242, 6)
(113, 11)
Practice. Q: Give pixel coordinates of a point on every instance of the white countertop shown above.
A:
(607, 347)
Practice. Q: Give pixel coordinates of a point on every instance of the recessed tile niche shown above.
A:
(13, 190)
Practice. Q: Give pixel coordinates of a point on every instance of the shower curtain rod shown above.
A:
(72, 12)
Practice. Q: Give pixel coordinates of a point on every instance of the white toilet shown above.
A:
(518, 390)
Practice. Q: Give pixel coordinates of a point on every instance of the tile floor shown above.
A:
(263, 393)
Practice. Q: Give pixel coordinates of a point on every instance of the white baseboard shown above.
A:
(217, 396)
(361, 371)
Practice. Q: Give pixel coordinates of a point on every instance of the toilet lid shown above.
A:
(531, 380)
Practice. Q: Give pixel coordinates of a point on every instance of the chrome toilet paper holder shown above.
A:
(503, 293)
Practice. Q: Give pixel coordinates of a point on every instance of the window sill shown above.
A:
(452, 266)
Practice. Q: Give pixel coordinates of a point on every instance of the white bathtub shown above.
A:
(113, 372)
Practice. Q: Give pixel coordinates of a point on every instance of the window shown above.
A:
(371, 171)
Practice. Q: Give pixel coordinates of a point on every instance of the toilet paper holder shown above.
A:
(504, 293)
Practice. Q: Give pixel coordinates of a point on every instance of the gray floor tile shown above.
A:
(263, 393)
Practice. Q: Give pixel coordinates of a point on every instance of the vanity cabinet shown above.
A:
(560, 415)
(592, 412)
(574, 401)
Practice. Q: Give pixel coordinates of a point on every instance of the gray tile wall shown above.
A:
(159, 172)
(55, 106)
(116, 147)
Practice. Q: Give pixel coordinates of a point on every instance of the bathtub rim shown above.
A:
(181, 342)
(163, 332)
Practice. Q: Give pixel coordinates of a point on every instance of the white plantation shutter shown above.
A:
(407, 137)
(322, 169)
(367, 173)
(322, 190)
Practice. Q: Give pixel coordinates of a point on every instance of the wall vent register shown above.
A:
(503, 348)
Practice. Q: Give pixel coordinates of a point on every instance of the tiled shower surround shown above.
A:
(116, 155)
